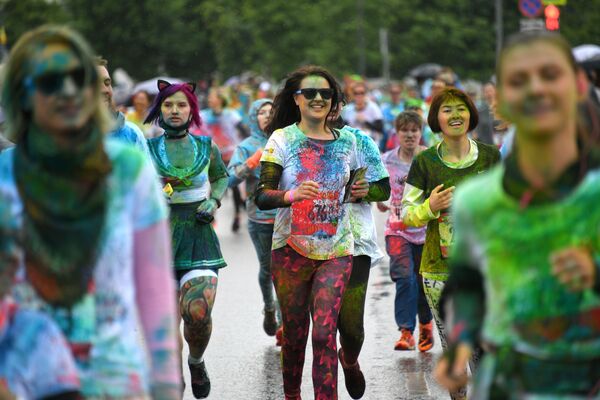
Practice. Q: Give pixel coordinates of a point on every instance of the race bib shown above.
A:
(446, 233)
(317, 217)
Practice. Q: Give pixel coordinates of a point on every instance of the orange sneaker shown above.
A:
(406, 341)
(425, 336)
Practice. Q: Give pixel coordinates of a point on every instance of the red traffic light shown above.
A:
(552, 12)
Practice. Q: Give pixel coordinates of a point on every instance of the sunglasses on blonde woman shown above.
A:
(311, 93)
(51, 82)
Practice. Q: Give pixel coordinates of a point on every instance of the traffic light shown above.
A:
(552, 14)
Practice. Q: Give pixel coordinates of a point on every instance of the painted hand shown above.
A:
(209, 206)
(359, 190)
(453, 375)
(440, 199)
(306, 190)
(574, 267)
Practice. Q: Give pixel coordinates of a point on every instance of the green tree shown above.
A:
(19, 16)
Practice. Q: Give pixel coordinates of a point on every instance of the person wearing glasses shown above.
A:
(306, 166)
(95, 230)
(364, 114)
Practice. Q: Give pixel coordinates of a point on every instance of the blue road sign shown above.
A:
(530, 8)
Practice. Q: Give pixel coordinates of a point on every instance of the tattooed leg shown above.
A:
(197, 296)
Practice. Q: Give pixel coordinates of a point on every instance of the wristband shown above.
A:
(216, 201)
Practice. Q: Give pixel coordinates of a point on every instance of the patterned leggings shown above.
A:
(307, 287)
(433, 292)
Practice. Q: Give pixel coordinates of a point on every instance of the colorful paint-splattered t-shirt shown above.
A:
(319, 228)
(35, 360)
(394, 226)
(361, 216)
(527, 308)
(102, 327)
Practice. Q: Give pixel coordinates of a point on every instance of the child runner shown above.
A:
(404, 244)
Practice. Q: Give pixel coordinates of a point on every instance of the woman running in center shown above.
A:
(306, 165)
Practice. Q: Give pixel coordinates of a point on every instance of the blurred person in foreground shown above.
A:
(35, 359)
(524, 277)
(95, 231)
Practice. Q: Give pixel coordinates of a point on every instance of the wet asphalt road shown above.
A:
(243, 362)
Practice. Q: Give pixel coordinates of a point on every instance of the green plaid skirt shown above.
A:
(195, 245)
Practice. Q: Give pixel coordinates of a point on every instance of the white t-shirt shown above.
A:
(361, 216)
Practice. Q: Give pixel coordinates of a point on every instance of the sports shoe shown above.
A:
(425, 336)
(406, 341)
(353, 377)
(270, 322)
(200, 380)
(279, 336)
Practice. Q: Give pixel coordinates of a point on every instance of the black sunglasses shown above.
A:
(311, 93)
(52, 82)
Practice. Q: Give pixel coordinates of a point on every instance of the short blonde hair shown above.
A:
(16, 69)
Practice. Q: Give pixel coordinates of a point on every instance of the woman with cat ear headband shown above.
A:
(195, 180)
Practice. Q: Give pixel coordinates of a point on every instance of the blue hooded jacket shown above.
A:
(239, 170)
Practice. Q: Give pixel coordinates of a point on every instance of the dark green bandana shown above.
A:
(64, 193)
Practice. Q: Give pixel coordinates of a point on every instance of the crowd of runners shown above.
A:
(492, 232)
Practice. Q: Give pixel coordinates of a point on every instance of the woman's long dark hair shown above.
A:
(285, 110)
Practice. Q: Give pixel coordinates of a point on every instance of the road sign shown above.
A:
(532, 24)
(554, 2)
(530, 8)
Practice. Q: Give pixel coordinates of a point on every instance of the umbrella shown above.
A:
(150, 85)
(425, 71)
(587, 55)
